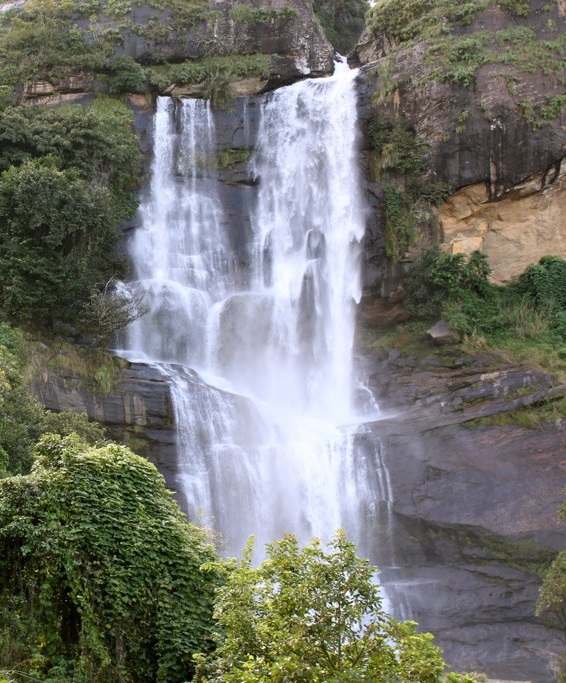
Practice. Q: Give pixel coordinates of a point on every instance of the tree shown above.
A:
(66, 181)
(316, 616)
(100, 573)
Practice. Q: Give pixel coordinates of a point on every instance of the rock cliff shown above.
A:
(206, 49)
(475, 481)
(481, 88)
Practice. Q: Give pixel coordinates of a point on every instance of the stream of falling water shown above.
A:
(259, 354)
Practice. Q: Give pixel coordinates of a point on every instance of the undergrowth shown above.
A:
(524, 322)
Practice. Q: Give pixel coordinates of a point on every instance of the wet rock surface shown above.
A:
(474, 508)
(137, 410)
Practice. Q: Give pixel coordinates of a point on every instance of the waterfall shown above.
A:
(258, 349)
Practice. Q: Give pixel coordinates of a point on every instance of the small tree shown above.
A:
(309, 615)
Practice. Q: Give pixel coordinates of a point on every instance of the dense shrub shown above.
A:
(439, 282)
(544, 285)
(100, 574)
(532, 309)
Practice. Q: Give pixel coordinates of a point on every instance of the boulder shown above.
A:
(441, 333)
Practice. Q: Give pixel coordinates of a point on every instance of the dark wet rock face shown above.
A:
(474, 508)
(137, 410)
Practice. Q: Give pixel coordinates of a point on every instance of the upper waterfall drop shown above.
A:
(305, 259)
(263, 412)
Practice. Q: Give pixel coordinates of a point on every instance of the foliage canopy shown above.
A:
(100, 574)
(67, 179)
(309, 615)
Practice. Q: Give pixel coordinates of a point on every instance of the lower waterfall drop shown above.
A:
(259, 354)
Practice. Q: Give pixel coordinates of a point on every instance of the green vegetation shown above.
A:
(342, 20)
(95, 368)
(551, 602)
(531, 417)
(100, 574)
(310, 615)
(398, 161)
(440, 283)
(552, 597)
(51, 40)
(400, 222)
(66, 179)
(525, 320)
(214, 73)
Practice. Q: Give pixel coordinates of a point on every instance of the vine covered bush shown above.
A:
(100, 574)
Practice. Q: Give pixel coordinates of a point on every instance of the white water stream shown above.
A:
(260, 355)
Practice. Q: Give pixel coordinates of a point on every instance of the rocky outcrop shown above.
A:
(240, 48)
(136, 409)
(526, 223)
(475, 464)
(474, 489)
(494, 124)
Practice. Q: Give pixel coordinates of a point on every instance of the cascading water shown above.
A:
(259, 354)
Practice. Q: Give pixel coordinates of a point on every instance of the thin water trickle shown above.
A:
(261, 375)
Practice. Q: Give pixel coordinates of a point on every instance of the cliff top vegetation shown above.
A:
(457, 39)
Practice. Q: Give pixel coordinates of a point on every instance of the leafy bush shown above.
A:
(544, 282)
(126, 75)
(100, 570)
(527, 316)
(453, 286)
(544, 285)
